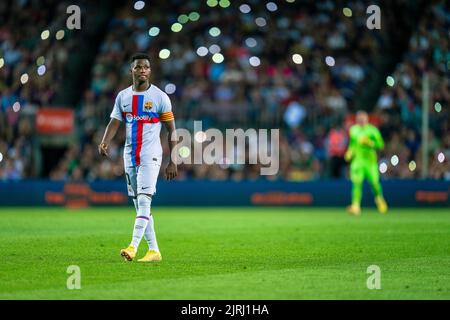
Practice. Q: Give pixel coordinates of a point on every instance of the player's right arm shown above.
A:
(110, 132)
(379, 142)
(351, 145)
(111, 129)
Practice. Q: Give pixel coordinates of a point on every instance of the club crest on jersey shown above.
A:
(148, 105)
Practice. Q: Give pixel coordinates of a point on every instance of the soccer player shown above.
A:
(365, 140)
(142, 107)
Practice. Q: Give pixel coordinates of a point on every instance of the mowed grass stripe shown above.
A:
(314, 253)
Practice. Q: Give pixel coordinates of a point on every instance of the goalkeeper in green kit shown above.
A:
(365, 139)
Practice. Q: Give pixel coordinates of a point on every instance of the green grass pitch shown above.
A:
(227, 253)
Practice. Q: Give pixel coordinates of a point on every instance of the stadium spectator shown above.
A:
(260, 84)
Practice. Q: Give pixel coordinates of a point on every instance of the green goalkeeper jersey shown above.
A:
(364, 143)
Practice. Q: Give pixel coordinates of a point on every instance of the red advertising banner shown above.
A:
(54, 120)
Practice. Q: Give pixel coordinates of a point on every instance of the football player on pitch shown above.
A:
(365, 140)
(142, 106)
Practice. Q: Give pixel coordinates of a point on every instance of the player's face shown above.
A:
(141, 70)
(362, 119)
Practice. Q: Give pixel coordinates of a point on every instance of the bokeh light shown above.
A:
(254, 61)
(200, 136)
(441, 157)
(2, 62)
(394, 160)
(214, 32)
(176, 27)
(60, 35)
(347, 12)
(271, 6)
(164, 53)
(153, 32)
(202, 51)
(218, 58)
(260, 22)
(212, 3)
(184, 152)
(40, 61)
(251, 42)
(183, 18)
(41, 70)
(45, 34)
(24, 78)
(214, 48)
(245, 8)
(224, 3)
(139, 5)
(383, 167)
(329, 60)
(412, 165)
(16, 106)
(437, 107)
(194, 16)
(170, 88)
(390, 81)
(1, 157)
(297, 58)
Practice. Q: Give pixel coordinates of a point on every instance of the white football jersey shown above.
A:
(142, 113)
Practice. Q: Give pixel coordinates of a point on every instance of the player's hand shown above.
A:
(103, 149)
(366, 141)
(171, 171)
(348, 156)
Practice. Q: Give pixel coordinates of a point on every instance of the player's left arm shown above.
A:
(166, 116)
(378, 142)
(171, 169)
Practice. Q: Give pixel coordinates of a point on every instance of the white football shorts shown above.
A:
(142, 179)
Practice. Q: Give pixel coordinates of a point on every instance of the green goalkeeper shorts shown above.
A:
(364, 170)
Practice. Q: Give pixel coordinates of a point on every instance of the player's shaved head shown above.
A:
(362, 118)
(140, 56)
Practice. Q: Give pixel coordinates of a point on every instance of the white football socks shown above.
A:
(150, 235)
(142, 219)
(149, 232)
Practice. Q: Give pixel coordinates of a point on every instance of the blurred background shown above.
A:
(304, 67)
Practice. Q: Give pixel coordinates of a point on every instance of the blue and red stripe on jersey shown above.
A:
(137, 126)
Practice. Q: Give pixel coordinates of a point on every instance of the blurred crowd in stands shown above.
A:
(400, 103)
(33, 56)
(259, 84)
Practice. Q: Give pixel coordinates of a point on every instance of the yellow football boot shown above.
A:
(128, 253)
(150, 256)
(354, 210)
(381, 205)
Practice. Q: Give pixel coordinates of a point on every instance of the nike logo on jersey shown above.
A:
(143, 188)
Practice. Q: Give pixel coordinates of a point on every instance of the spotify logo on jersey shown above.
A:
(130, 118)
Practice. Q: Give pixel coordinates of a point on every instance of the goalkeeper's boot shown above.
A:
(128, 253)
(354, 209)
(381, 205)
(150, 256)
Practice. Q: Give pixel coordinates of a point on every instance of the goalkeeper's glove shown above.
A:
(366, 141)
(348, 155)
